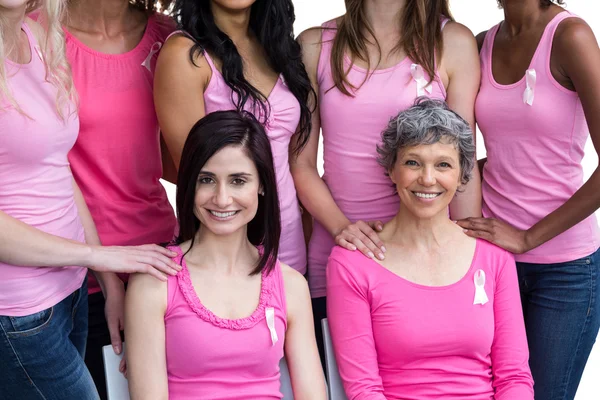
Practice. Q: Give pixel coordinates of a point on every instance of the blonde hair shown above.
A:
(58, 71)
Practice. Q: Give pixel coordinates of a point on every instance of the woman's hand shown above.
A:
(497, 232)
(362, 236)
(149, 259)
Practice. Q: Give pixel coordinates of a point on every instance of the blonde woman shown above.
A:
(43, 218)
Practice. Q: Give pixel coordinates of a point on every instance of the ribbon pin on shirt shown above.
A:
(153, 50)
(480, 295)
(419, 77)
(529, 93)
(270, 316)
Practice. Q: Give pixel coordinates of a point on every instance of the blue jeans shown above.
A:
(42, 354)
(562, 318)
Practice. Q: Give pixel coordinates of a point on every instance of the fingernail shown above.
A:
(177, 267)
(117, 349)
(371, 255)
(465, 230)
(353, 248)
(383, 249)
(381, 257)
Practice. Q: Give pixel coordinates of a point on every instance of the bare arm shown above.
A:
(178, 92)
(301, 351)
(579, 55)
(312, 190)
(145, 307)
(461, 63)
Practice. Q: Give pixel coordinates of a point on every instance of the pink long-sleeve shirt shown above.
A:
(395, 339)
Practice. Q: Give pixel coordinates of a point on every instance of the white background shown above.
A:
(477, 15)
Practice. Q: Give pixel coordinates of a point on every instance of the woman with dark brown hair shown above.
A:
(112, 47)
(367, 66)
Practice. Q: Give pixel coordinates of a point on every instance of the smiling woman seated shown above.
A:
(440, 316)
(219, 328)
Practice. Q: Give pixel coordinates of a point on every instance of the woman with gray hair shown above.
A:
(440, 317)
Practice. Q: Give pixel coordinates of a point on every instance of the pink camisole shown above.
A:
(534, 150)
(351, 129)
(117, 159)
(280, 126)
(213, 358)
(36, 186)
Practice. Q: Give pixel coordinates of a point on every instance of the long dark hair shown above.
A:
(209, 135)
(421, 37)
(272, 23)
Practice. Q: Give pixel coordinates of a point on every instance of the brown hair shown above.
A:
(421, 37)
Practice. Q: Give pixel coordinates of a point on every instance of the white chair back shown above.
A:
(117, 387)
(336, 388)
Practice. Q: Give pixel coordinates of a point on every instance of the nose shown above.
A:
(427, 177)
(222, 198)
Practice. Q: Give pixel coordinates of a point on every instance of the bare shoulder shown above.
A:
(310, 42)
(574, 35)
(37, 30)
(295, 283)
(175, 61)
(146, 290)
(480, 38)
(456, 34)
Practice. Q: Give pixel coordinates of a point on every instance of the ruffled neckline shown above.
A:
(184, 281)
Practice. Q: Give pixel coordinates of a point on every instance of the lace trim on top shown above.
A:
(184, 281)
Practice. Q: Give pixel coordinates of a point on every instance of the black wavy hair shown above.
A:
(272, 23)
(210, 134)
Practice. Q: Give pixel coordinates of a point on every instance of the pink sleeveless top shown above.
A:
(36, 186)
(117, 159)
(213, 358)
(351, 129)
(535, 132)
(281, 124)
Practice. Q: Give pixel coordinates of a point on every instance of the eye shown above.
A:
(238, 181)
(205, 180)
(411, 163)
(444, 164)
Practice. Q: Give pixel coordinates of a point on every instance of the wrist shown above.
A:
(528, 240)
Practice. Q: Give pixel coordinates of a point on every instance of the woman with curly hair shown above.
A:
(240, 55)
(112, 47)
(537, 106)
(43, 216)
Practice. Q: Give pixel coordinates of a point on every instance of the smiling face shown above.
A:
(426, 178)
(227, 191)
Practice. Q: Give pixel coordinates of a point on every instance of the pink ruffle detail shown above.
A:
(189, 293)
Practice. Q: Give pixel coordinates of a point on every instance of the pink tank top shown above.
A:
(36, 186)
(351, 129)
(214, 358)
(281, 124)
(117, 159)
(535, 132)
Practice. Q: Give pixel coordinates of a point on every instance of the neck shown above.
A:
(521, 14)
(408, 230)
(229, 254)
(235, 24)
(10, 26)
(384, 15)
(106, 16)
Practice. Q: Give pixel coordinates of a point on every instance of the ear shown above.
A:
(261, 191)
(391, 175)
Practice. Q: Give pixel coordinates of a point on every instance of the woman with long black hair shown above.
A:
(240, 55)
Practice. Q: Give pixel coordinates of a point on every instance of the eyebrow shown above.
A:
(234, 175)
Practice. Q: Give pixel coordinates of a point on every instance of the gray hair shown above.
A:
(427, 122)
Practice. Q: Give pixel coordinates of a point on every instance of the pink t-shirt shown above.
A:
(534, 152)
(213, 358)
(36, 186)
(280, 126)
(395, 339)
(351, 132)
(117, 159)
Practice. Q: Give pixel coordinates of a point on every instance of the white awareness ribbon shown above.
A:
(270, 315)
(153, 50)
(480, 295)
(419, 77)
(529, 93)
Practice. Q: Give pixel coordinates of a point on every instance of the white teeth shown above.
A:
(426, 195)
(222, 215)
